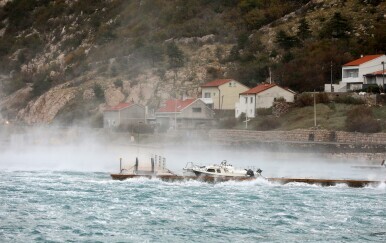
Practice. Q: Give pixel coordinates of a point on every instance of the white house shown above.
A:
(222, 94)
(377, 78)
(261, 96)
(363, 71)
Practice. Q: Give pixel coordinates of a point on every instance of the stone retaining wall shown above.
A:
(299, 135)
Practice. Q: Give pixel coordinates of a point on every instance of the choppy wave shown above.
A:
(83, 206)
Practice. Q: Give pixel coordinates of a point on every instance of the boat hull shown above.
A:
(203, 174)
(172, 178)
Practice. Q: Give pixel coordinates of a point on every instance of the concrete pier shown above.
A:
(322, 182)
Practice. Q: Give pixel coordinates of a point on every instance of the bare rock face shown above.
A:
(44, 109)
(144, 89)
(113, 96)
(16, 100)
(88, 94)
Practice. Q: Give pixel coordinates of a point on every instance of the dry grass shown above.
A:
(331, 117)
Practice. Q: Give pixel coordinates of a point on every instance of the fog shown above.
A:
(89, 151)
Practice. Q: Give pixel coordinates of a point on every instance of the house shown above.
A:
(188, 113)
(360, 73)
(124, 114)
(222, 94)
(376, 78)
(261, 96)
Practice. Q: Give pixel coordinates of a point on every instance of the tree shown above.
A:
(175, 55)
(98, 91)
(304, 31)
(153, 52)
(285, 41)
(337, 27)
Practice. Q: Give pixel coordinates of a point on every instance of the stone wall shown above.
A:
(299, 135)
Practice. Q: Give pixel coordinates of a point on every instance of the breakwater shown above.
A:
(299, 135)
(320, 140)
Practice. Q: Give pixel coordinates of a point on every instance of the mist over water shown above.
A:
(58, 188)
(46, 150)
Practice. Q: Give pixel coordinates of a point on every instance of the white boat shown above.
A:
(222, 170)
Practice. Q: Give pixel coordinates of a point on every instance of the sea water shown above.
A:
(60, 206)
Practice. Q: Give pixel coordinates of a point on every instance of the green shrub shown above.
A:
(304, 99)
(349, 100)
(264, 111)
(41, 84)
(268, 123)
(280, 99)
(98, 91)
(307, 99)
(118, 83)
(241, 118)
(361, 119)
(322, 98)
(375, 89)
(227, 123)
(136, 128)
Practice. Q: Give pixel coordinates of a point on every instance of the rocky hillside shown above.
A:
(65, 60)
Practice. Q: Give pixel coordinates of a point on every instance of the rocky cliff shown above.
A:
(58, 56)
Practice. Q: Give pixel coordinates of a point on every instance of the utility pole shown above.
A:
(246, 114)
(383, 76)
(314, 109)
(270, 75)
(331, 79)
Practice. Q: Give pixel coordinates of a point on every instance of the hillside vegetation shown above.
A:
(155, 49)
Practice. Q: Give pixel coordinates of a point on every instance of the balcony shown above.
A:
(207, 101)
(352, 80)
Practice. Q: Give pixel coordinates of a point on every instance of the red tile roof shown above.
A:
(216, 83)
(379, 72)
(376, 73)
(120, 106)
(175, 105)
(362, 60)
(259, 88)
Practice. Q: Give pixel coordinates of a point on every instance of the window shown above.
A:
(214, 94)
(218, 171)
(197, 109)
(350, 73)
(230, 84)
(246, 100)
(206, 95)
(211, 170)
(251, 100)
